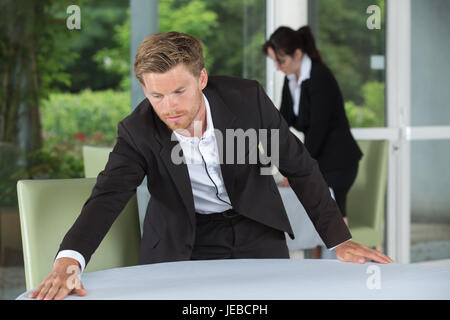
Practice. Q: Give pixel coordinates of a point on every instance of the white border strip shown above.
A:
(428, 133)
(407, 133)
(390, 134)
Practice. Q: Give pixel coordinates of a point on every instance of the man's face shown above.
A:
(176, 96)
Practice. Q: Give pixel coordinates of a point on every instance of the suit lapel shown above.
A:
(303, 108)
(178, 172)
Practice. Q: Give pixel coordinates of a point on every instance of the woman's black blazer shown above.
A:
(322, 119)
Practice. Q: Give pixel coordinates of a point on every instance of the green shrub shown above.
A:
(61, 161)
(70, 121)
(371, 113)
(89, 117)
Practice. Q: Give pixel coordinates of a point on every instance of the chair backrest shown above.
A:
(366, 198)
(94, 159)
(48, 208)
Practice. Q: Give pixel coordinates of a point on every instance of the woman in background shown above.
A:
(312, 103)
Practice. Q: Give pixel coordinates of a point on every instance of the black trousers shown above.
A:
(341, 181)
(229, 235)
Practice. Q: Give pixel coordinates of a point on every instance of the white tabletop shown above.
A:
(267, 279)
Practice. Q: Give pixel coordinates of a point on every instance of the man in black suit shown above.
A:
(216, 203)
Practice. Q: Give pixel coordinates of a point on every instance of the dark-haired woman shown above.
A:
(312, 103)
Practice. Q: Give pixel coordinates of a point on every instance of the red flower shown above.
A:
(79, 136)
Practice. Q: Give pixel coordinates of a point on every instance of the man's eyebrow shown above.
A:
(177, 89)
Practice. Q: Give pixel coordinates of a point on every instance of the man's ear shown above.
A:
(203, 79)
(145, 91)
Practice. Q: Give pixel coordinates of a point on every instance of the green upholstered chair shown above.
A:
(366, 199)
(95, 159)
(48, 208)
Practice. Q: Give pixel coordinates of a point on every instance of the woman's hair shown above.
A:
(286, 40)
(161, 52)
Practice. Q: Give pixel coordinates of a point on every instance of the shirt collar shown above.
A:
(305, 71)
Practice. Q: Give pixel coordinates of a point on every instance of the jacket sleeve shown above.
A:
(115, 186)
(303, 175)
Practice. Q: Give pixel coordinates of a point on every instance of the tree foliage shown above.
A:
(222, 27)
(346, 45)
(100, 19)
(31, 61)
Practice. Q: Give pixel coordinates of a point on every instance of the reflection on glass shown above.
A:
(430, 69)
(355, 54)
(430, 177)
(232, 32)
(430, 213)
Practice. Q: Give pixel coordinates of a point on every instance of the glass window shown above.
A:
(430, 177)
(429, 60)
(430, 214)
(67, 92)
(352, 44)
(232, 32)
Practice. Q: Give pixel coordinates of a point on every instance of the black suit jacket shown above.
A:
(322, 119)
(144, 147)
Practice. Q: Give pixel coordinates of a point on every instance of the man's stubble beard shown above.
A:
(192, 121)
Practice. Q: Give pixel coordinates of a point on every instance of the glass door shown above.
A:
(394, 77)
(430, 133)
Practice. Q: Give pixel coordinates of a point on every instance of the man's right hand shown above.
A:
(63, 280)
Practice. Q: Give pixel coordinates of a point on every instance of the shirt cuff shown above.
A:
(74, 255)
(340, 244)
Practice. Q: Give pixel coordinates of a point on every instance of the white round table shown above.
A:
(266, 279)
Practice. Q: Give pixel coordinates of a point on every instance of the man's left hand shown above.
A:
(357, 253)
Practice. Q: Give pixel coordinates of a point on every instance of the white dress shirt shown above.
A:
(295, 85)
(202, 160)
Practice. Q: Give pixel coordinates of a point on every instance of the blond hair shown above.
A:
(161, 52)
